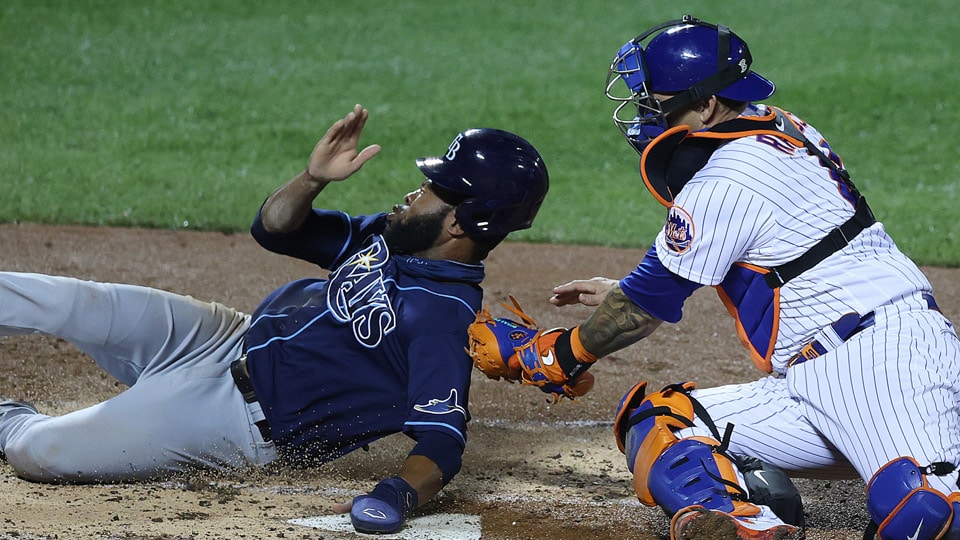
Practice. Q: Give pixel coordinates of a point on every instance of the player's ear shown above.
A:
(452, 226)
(706, 109)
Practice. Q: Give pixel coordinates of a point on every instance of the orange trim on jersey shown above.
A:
(751, 132)
(759, 359)
(662, 147)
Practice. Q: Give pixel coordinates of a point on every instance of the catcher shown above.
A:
(864, 366)
(758, 493)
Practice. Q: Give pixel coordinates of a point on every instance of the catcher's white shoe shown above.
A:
(698, 523)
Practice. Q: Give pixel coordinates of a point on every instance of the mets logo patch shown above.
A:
(679, 230)
(518, 335)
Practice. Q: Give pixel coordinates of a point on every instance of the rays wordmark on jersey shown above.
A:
(357, 295)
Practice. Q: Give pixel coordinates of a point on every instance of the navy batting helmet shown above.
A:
(687, 58)
(500, 178)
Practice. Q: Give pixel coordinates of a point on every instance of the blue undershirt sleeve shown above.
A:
(657, 290)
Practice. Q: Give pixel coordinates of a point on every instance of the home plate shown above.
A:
(430, 527)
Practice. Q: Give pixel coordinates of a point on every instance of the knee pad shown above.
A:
(670, 472)
(902, 505)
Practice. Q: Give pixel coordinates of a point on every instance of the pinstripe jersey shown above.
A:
(890, 390)
(762, 201)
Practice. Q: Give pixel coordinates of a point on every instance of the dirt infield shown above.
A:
(532, 469)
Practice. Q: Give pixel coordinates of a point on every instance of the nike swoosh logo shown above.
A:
(548, 359)
(377, 514)
(779, 124)
(917, 533)
(759, 474)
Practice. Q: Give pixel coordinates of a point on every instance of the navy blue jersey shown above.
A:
(374, 349)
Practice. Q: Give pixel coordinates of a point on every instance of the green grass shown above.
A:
(176, 114)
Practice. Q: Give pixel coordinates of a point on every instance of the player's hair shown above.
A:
(733, 104)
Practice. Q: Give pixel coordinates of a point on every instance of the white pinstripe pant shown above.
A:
(892, 390)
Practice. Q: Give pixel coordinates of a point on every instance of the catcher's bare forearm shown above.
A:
(616, 323)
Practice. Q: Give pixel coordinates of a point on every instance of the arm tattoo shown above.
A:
(615, 324)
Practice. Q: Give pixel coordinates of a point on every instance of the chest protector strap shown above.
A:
(671, 160)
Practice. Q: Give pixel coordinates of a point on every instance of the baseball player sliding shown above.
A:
(323, 366)
(865, 369)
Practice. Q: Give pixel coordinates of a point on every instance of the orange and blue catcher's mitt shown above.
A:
(517, 350)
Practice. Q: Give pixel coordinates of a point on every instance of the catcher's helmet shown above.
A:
(500, 177)
(687, 58)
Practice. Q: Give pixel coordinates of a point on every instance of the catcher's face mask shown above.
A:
(638, 114)
(687, 59)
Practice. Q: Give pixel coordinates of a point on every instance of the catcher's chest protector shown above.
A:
(750, 293)
(756, 309)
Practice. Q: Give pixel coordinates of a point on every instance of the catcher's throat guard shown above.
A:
(670, 160)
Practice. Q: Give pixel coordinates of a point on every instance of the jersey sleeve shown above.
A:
(711, 225)
(324, 238)
(438, 387)
(656, 290)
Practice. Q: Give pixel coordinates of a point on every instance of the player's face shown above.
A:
(683, 116)
(415, 225)
(424, 200)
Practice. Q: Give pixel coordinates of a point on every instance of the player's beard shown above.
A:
(415, 234)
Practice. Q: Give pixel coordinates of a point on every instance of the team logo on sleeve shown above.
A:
(678, 230)
(357, 295)
(442, 406)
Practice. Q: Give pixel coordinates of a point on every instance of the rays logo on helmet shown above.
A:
(453, 148)
(679, 230)
(442, 406)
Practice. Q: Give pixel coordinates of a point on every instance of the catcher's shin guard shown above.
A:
(902, 505)
(670, 472)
